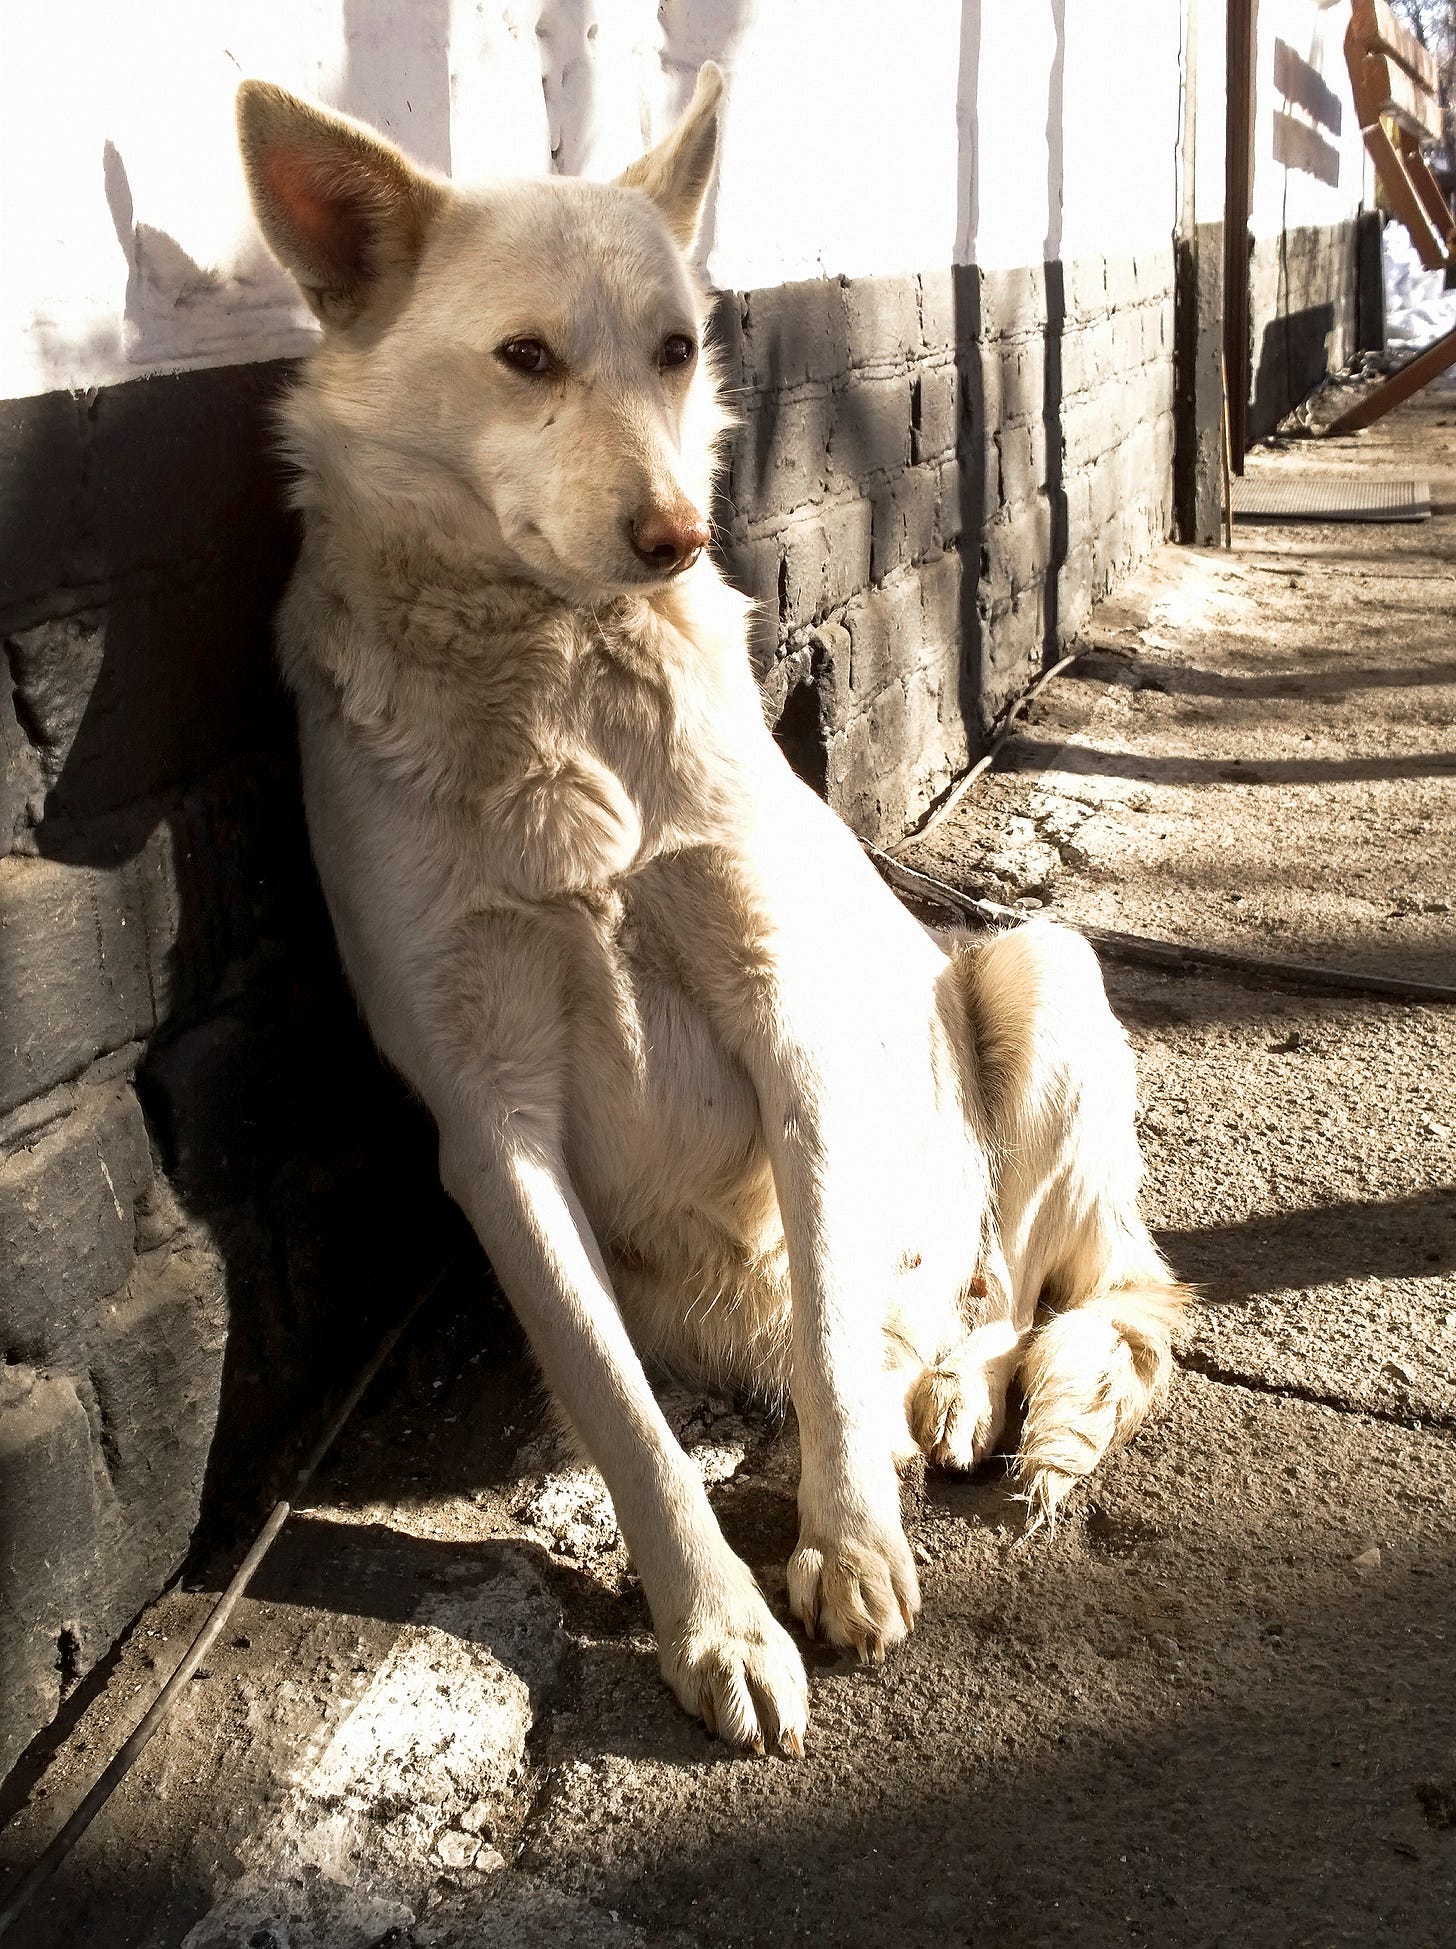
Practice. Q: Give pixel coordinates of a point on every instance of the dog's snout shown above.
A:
(668, 539)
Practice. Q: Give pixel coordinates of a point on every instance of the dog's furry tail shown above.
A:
(1091, 1375)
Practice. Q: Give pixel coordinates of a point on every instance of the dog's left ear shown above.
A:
(677, 172)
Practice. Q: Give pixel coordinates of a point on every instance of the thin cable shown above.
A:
(160, 1709)
(1143, 950)
(943, 808)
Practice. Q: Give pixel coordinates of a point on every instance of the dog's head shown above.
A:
(520, 365)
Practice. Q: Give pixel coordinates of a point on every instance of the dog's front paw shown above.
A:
(858, 1589)
(735, 1667)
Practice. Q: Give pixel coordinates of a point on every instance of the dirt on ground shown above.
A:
(1216, 1707)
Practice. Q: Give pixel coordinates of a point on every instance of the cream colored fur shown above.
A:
(706, 1092)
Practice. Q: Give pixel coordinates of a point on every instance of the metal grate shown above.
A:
(1329, 497)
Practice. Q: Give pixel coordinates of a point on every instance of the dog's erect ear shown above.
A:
(677, 172)
(341, 208)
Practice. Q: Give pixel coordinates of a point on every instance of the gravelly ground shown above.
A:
(1218, 1707)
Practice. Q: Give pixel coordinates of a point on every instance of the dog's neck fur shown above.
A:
(453, 675)
(427, 600)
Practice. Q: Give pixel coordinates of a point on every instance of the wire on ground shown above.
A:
(1141, 950)
(956, 796)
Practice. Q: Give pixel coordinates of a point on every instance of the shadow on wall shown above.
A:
(177, 1028)
(982, 682)
(1056, 323)
(397, 78)
(164, 778)
(1294, 357)
(974, 450)
(176, 308)
(276, 1126)
(184, 936)
(1295, 347)
(161, 279)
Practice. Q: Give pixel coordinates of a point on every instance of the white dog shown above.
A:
(707, 1093)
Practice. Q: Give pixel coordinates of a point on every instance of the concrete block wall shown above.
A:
(209, 1191)
(934, 478)
(1304, 316)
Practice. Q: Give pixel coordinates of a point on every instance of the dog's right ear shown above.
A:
(341, 208)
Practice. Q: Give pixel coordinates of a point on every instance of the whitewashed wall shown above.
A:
(1292, 198)
(860, 137)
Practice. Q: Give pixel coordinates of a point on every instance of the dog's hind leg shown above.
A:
(956, 1407)
(1057, 1082)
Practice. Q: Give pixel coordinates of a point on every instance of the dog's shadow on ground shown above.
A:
(987, 1500)
(344, 1562)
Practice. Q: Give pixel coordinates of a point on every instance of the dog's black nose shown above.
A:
(668, 539)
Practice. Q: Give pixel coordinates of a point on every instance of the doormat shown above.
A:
(1329, 497)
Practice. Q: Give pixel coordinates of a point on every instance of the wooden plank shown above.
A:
(1381, 88)
(1374, 27)
(1421, 370)
(1427, 188)
(1404, 199)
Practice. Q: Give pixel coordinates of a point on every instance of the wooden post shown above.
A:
(1238, 207)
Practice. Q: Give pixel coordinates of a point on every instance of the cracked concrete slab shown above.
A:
(413, 1783)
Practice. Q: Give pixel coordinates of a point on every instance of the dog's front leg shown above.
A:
(721, 1649)
(497, 1098)
(823, 1078)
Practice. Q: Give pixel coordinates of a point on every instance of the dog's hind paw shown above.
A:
(953, 1418)
(957, 1409)
(737, 1669)
(860, 1593)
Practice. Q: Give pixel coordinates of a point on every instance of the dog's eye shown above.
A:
(676, 349)
(526, 355)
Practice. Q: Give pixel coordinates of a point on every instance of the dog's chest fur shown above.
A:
(479, 748)
(555, 749)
